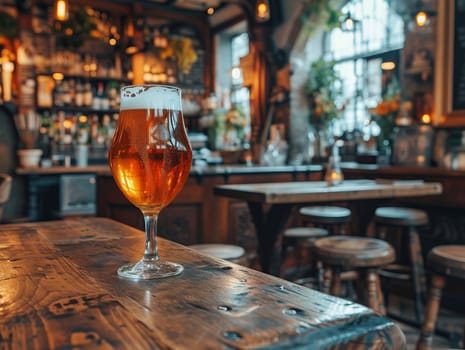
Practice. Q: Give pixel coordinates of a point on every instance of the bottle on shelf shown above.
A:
(94, 126)
(104, 99)
(58, 94)
(79, 95)
(88, 95)
(66, 94)
(44, 135)
(101, 98)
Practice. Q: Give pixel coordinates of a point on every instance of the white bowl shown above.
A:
(29, 158)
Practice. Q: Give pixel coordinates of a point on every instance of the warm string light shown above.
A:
(426, 118)
(61, 10)
(262, 10)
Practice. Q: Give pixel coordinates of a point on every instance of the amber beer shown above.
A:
(150, 156)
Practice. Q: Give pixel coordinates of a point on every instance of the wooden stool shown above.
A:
(301, 239)
(362, 254)
(228, 252)
(408, 221)
(444, 261)
(332, 218)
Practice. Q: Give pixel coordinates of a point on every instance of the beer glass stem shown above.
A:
(151, 247)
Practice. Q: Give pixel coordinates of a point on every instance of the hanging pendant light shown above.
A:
(61, 10)
(421, 18)
(262, 11)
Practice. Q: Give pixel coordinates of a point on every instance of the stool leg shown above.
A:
(426, 336)
(418, 272)
(379, 289)
(327, 277)
(336, 282)
(375, 298)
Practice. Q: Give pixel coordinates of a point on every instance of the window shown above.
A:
(240, 95)
(376, 36)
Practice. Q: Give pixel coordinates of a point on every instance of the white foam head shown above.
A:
(150, 97)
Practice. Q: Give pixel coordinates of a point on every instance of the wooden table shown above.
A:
(271, 204)
(59, 290)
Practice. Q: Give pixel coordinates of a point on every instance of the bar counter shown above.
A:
(196, 170)
(196, 215)
(59, 290)
(199, 216)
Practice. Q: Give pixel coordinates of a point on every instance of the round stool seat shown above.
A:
(326, 214)
(448, 260)
(353, 251)
(222, 251)
(401, 216)
(305, 232)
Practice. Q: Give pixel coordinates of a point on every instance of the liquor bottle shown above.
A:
(104, 99)
(88, 95)
(94, 126)
(97, 102)
(66, 95)
(79, 95)
(58, 94)
(44, 139)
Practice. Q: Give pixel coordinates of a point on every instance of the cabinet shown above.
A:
(77, 110)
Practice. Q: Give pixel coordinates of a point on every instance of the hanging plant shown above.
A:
(321, 14)
(323, 92)
(72, 34)
(8, 25)
(183, 52)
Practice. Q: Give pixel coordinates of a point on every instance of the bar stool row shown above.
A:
(374, 257)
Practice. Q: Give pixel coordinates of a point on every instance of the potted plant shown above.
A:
(324, 90)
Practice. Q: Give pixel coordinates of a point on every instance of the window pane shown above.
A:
(358, 52)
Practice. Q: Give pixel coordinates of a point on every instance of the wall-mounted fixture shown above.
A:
(262, 11)
(421, 18)
(61, 10)
(422, 13)
(348, 23)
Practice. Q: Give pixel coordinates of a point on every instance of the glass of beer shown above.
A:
(150, 158)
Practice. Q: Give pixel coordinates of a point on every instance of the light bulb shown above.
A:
(421, 18)
(61, 10)
(262, 10)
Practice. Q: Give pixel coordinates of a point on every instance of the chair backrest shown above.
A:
(5, 190)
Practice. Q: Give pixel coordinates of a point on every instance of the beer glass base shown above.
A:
(150, 270)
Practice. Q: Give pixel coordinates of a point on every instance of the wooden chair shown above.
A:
(332, 218)
(361, 254)
(5, 190)
(444, 261)
(400, 226)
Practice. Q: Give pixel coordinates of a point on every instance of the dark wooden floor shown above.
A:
(450, 324)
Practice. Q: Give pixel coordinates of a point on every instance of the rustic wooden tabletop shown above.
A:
(319, 191)
(59, 290)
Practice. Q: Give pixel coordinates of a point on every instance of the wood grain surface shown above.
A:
(319, 191)
(59, 290)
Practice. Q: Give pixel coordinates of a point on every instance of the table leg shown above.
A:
(268, 226)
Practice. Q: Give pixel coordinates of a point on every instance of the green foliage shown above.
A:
(321, 14)
(76, 30)
(8, 25)
(323, 91)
